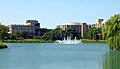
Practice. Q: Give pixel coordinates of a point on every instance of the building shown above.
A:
(32, 27)
(93, 25)
(89, 26)
(84, 28)
(80, 28)
(75, 25)
(99, 23)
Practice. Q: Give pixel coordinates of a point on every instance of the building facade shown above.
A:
(84, 28)
(31, 27)
(80, 28)
(75, 25)
(99, 23)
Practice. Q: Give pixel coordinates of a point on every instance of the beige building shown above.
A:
(99, 23)
(32, 27)
(80, 28)
(75, 25)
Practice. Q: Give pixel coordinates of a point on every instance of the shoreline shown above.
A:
(50, 41)
(28, 41)
(93, 41)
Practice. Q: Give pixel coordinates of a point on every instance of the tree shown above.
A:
(22, 34)
(44, 30)
(59, 34)
(12, 36)
(111, 32)
(55, 34)
(93, 33)
(3, 32)
(72, 33)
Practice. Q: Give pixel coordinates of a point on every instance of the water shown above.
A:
(58, 56)
(69, 41)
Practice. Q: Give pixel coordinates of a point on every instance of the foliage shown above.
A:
(12, 36)
(53, 34)
(3, 32)
(111, 32)
(44, 30)
(22, 34)
(37, 37)
(59, 34)
(2, 45)
(93, 33)
(71, 32)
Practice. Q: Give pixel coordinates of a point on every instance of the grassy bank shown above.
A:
(49, 41)
(93, 41)
(2, 45)
(28, 41)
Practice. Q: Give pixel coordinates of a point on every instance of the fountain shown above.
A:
(69, 41)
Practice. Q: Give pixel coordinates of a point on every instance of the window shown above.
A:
(37, 24)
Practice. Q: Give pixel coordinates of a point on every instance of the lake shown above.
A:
(58, 56)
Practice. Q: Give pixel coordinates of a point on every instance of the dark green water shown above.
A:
(58, 56)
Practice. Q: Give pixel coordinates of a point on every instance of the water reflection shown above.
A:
(112, 60)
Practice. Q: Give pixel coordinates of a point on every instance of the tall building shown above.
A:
(84, 28)
(32, 27)
(99, 23)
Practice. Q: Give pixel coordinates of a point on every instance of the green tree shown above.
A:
(93, 33)
(55, 34)
(12, 36)
(111, 32)
(22, 34)
(3, 32)
(44, 30)
(72, 33)
(59, 34)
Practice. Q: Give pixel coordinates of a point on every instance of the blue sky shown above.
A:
(54, 12)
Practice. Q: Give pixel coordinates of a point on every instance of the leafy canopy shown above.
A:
(3, 32)
(111, 32)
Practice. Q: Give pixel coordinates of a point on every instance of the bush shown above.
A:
(3, 46)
